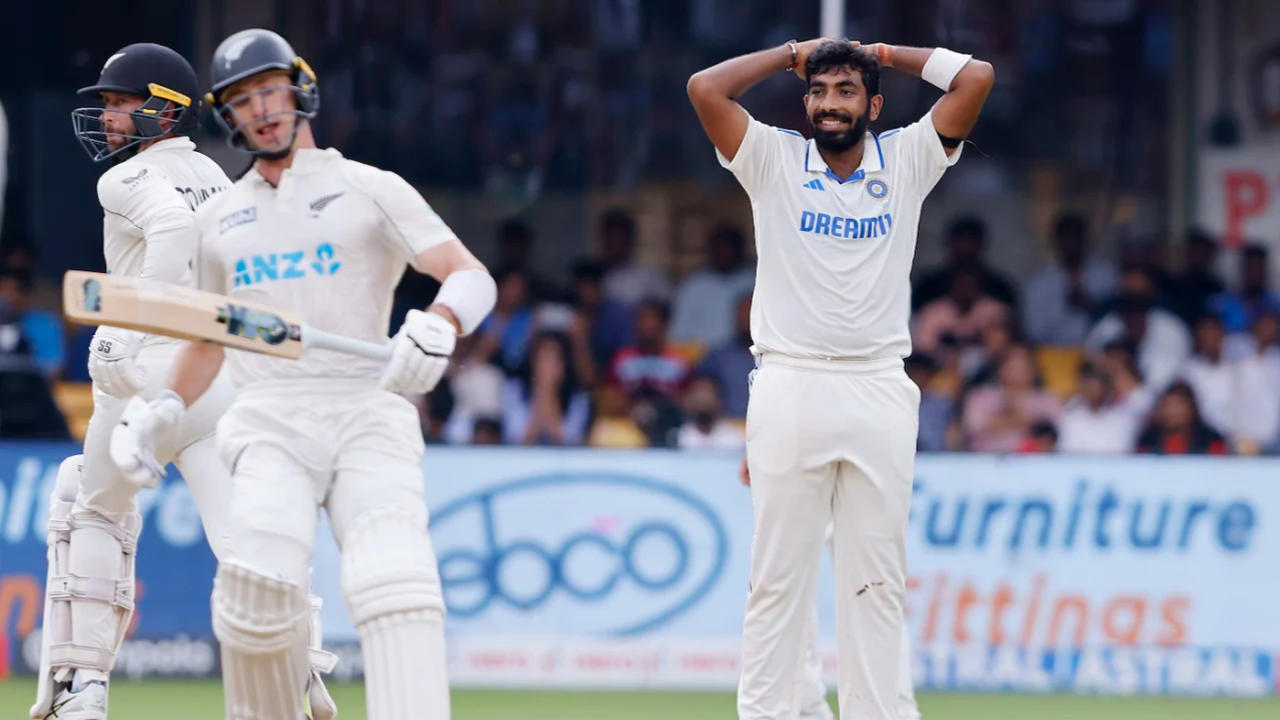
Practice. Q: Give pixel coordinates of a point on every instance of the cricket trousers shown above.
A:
(829, 441)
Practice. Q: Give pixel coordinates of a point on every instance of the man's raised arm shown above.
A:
(715, 90)
(965, 81)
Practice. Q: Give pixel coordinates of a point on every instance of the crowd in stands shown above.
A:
(1085, 356)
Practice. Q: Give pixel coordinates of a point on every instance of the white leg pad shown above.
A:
(57, 616)
(262, 625)
(392, 588)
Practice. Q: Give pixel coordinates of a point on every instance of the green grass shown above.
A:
(202, 700)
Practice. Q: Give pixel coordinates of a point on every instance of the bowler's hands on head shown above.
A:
(804, 50)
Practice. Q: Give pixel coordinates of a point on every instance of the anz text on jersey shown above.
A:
(285, 266)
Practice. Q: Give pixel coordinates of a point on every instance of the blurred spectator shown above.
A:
(1211, 376)
(652, 375)
(705, 300)
(503, 337)
(1255, 402)
(704, 428)
(936, 409)
(1190, 290)
(625, 280)
(487, 431)
(1106, 414)
(1061, 297)
(27, 409)
(1176, 427)
(978, 364)
(1161, 340)
(601, 326)
(649, 365)
(515, 254)
(42, 329)
(434, 408)
(477, 394)
(998, 418)
(965, 241)
(613, 426)
(1043, 438)
(1239, 308)
(544, 405)
(730, 363)
(956, 320)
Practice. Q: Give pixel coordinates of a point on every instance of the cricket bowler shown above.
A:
(309, 231)
(832, 418)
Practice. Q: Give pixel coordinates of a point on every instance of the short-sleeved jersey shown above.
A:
(148, 211)
(330, 243)
(835, 255)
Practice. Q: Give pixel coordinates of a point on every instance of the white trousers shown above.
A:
(296, 445)
(828, 441)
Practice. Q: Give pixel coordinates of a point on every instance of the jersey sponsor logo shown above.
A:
(250, 323)
(195, 197)
(131, 181)
(319, 205)
(270, 267)
(239, 217)
(820, 223)
(815, 184)
(877, 189)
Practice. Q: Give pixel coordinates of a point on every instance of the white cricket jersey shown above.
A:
(330, 243)
(148, 212)
(834, 256)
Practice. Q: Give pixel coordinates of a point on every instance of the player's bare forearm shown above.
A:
(194, 370)
(714, 91)
(957, 111)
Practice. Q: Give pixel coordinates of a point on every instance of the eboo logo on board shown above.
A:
(587, 553)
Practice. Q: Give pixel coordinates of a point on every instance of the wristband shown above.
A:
(942, 67)
(470, 294)
(795, 56)
(884, 54)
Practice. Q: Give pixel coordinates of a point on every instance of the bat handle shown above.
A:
(312, 338)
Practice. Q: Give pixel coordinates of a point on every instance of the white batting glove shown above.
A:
(111, 362)
(420, 353)
(133, 441)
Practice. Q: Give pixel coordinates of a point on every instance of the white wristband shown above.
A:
(470, 295)
(942, 67)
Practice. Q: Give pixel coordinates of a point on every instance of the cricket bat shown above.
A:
(90, 298)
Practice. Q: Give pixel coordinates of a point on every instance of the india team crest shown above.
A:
(877, 189)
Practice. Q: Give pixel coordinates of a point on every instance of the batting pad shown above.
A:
(57, 615)
(405, 666)
(262, 624)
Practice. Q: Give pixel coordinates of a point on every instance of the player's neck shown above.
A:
(844, 163)
(272, 169)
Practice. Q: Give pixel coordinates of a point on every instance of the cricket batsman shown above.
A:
(150, 104)
(310, 231)
(832, 419)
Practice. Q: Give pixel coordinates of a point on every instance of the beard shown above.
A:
(839, 140)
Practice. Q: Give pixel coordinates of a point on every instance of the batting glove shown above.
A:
(420, 353)
(133, 441)
(111, 362)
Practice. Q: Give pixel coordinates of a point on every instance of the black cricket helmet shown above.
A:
(248, 53)
(166, 82)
